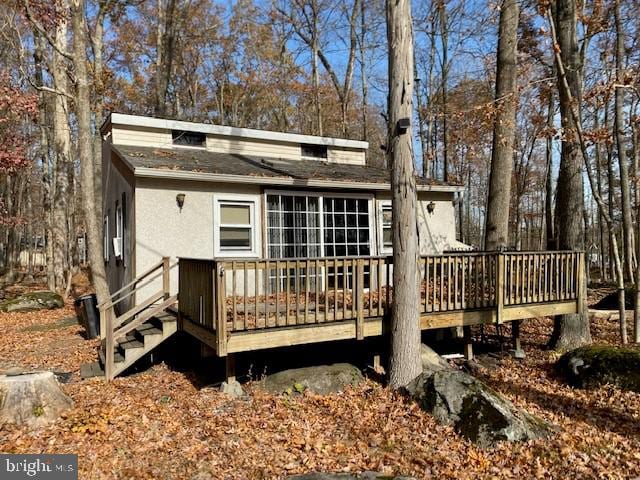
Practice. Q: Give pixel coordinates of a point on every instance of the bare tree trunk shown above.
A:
(627, 223)
(431, 156)
(85, 153)
(62, 149)
(601, 247)
(572, 330)
(314, 66)
(444, 38)
(165, 45)
(504, 130)
(43, 120)
(636, 174)
(548, 198)
(404, 363)
(97, 40)
(363, 69)
(610, 195)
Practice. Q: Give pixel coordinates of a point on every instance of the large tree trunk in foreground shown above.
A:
(404, 363)
(85, 152)
(62, 167)
(504, 130)
(569, 331)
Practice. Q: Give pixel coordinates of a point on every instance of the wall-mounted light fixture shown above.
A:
(431, 206)
(180, 200)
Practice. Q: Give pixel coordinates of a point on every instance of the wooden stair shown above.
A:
(136, 332)
(135, 345)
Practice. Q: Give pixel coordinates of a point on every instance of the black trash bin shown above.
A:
(87, 311)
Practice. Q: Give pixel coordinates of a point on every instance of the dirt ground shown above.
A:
(163, 424)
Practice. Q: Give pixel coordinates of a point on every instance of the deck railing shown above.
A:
(232, 296)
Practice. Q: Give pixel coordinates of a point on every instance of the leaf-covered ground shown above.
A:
(160, 424)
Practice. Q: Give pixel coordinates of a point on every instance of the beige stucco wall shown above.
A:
(437, 231)
(162, 229)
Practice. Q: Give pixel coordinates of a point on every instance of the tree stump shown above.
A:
(34, 399)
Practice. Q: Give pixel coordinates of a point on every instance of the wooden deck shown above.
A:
(243, 305)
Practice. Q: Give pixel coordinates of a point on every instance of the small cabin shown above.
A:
(194, 190)
(249, 239)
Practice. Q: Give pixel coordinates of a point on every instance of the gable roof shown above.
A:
(200, 164)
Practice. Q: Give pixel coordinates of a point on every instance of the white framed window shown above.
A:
(310, 224)
(385, 231)
(117, 240)
(236, 226)
(105, 238)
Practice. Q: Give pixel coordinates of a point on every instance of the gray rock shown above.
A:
(595, 365)
(233, 389)
(476, 411)
(346, 476)
(322, 379)
(32, 301)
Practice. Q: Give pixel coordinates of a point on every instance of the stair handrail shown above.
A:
(108, 318)
(135, 281)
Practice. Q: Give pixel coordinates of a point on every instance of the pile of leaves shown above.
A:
(162, 424)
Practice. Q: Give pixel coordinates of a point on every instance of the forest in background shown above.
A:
(316, 67)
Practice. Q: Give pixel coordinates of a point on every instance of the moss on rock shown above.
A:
(44, 300)
(595, 365)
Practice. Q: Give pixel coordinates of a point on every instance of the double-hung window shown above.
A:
(235, 226)
(386, 232)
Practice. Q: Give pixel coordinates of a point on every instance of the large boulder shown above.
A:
(346, 476)
(476, 411)
(32, 301)
(595, 365)
(322, 379)
(34, 399)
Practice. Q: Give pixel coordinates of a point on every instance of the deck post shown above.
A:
(166, 284)
(468, 343)
(230, 368)
(582, 283)
(360, 299)
(515, 335)
(221, 309)
(500, 289)
(109, 345)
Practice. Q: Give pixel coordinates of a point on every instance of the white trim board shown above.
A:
(150, 122)
(145, 172)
